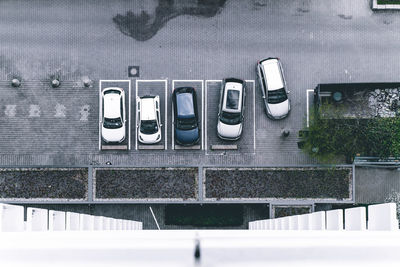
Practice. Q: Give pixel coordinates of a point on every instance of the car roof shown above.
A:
(185, 105)
(112, 106)
(147, 108)
(233, 95)
(273, 75)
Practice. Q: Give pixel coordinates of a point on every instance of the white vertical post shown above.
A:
(355, 219)
(334, 220)
(86, 222)
(113, 224)
(303, 222)
(98, 222)
(383, 217)
(294, 222)
(11, 218)
(106, 223)
(37, 219)
(72, 222)
(56, 220)
(317, 220)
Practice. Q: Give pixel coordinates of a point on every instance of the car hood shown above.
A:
(150, 138)
(280, 109)
(188, 136)
(229, 131)
(113, 135)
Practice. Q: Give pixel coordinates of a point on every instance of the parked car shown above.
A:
(113, 111)
(186, 120)
(273, 88)
(148, 114)
(231, 109)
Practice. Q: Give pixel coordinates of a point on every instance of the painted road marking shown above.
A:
(202, 110)
(206, 113)
(60, 111)
(84, 112)
(308, 115)
(254, 114)
(165, 123)
(10, 111)
(34, 111)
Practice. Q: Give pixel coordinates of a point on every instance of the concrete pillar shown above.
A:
(11, 218)
(355, 219)
(334, 220)
(72, 222)
(317, 220)
(383, 217)
(56, 220)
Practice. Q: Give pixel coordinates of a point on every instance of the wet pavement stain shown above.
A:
(144, 26)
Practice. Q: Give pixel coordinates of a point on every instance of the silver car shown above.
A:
(148, 114)
(273, 88)
(231, 109)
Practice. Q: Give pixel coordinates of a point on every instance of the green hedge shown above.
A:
(204, 215)
(329, 138)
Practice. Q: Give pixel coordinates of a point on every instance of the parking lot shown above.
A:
(317, 42)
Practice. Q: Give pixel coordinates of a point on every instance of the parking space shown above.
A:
(153, 88)
(198, 85)
(126, 86)
(246, 144)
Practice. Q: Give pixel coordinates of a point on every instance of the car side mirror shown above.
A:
(288, 92)
(160, 124)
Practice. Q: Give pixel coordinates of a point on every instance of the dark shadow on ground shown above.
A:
(144, 26)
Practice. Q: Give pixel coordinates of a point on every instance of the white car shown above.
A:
(231, 109)
(113, 111)
(148, 114)
(273, 88)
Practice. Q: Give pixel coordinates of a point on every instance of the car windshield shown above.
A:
(277, 96)
(112, 123)
(187, 123)
(148, 126)
(232, 99)
(230, 118)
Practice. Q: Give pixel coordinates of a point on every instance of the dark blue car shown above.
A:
(186, 121)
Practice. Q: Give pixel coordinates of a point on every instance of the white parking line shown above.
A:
(165, 123)
(129, 103)
(165, 115)
(206, 114)
(254, 114)
(100, 114)
(308, 107)
(136, 115)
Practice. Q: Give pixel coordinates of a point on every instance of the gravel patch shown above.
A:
(43, 183)
(141, 183)
(293, 183)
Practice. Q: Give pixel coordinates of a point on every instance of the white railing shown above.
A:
(380, 217)
(12, 220)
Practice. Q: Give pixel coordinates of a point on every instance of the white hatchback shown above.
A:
(148, 114)
(113, 119)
